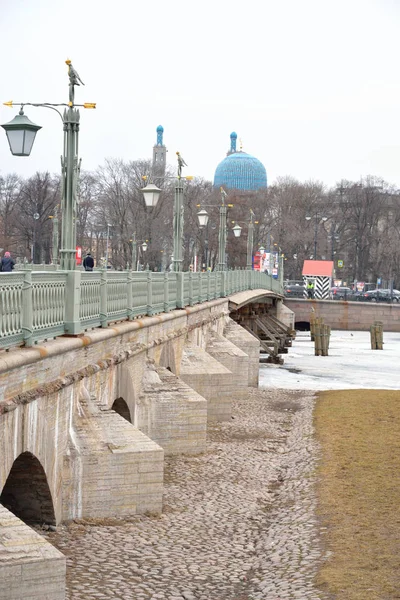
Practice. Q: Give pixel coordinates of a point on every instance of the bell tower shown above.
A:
(159, 154)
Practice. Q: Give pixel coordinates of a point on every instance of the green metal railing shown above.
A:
(39, 305)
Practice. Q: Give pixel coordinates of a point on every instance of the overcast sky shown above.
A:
(310, 86)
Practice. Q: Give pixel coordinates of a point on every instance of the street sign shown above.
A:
(340, 264)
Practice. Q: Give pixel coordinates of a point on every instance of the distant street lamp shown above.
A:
(202, 216)
(108, 236)
(21, 134)
(54, 250)
(135, 256)
(250, 239)
(36, 217)
(318, 220)
(151, 194)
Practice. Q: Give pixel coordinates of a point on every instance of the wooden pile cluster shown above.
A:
(376, 331)
(320, 335)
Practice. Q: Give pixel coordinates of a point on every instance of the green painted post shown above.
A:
(200, 297)
(166, 291)
(129, 293)
(70, 173)
(149, 307)
(178, 226)
(134, 252)
(223, 284)
(250, 237)
(222, 237)
(54, 251)
(27, 309)
(208, 285)
(73, 303)
(103, 299)
(180, 290)
(191, 288)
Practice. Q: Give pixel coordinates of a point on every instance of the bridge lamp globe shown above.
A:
(202, 217)
(21, 133)
(144, 246)
(151, 194)
(237, 230)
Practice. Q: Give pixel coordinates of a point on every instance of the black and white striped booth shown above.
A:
(321, 273)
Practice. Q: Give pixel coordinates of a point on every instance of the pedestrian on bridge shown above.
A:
(88, 262)
(7, 263)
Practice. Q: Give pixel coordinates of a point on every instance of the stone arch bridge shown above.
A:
(85, 421)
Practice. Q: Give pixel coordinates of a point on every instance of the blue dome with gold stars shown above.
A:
(240, 171)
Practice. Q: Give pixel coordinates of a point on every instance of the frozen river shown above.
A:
(351, 364)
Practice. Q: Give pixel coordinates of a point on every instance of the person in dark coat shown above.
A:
(88, 262)
(7, 263)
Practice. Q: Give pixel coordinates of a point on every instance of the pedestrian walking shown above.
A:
(88, 262)
(7, 263)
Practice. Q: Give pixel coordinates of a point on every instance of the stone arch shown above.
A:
(167, 358)
(302, 326)
(121, 407)
(26, 492)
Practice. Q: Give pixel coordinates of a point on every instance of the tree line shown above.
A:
(357, 223)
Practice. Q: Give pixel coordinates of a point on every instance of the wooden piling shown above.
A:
(317, 337)
(376, 331)
(312, 325)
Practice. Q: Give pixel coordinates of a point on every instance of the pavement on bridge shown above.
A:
(351, 364)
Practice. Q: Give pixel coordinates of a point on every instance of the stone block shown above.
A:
(30, 567)
(211, 380)
(234, 359)
(172, 414)
(249, 344)
(104, 464)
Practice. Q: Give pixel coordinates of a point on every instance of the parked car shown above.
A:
(382, 295)
(340, 293)
(294, 289)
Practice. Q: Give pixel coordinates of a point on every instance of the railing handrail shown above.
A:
(38, 305)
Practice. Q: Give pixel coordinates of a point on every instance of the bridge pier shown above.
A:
(166, 376)
(30, 567)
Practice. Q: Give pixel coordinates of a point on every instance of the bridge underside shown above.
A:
(257, 312)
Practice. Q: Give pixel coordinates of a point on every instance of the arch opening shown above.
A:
(121, 407)
(302, 326)
(26, 492)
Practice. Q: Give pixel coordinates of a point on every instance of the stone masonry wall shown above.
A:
(347, 315)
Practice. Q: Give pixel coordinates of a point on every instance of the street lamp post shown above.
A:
(54, 248)
(36, 217)
(178, 226)
(222, 233)
(318, 220)
(202, 216)
(151, 194)
(135, 254)
(108, 237)
(21, 134)
(250, 239)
